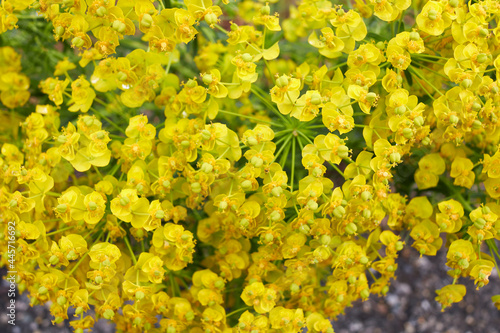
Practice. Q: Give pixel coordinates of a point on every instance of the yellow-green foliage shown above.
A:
(242, 166)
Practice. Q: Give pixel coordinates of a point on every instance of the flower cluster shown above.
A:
(194, 170)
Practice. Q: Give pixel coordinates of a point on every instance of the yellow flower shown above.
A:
(431, 19)
(461, 170)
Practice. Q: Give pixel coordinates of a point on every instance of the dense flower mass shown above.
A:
(245, 166)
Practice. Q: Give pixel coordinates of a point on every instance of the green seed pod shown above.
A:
(207, 79)
(77, 42)
(282, 81)
(196, 187)
(146, 20)
(351, 228)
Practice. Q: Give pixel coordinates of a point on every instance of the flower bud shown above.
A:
(282, 81)
(146, 20)
(265, 10)
(380, 45)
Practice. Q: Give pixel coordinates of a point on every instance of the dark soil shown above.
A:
(408, 307)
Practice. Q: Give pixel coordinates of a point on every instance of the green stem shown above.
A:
(99, 114)
(456, 193)
(293, 166)
(132, 255)
(288, 138)
(250, 117)
(239, 310)
(59, 231)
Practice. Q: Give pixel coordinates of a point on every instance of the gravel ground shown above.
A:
(409, 306)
